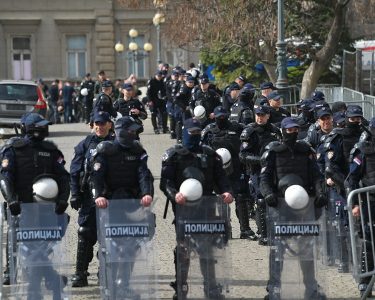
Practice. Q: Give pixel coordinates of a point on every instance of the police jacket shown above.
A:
(155, 89)
(169, 84)
(90, 86)
(25, 160)
(121, 168)
(81, 162)
(254, 139)
(242, 112)
(228, 138)
(104, 103)
(183, 96)
(204, 165)
(125, 106)
(279, 160)
(208, 99)
(276, 116)
(337, 146)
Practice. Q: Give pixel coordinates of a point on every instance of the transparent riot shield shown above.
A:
(294, 253)
(126, 252)
(336, 241)
(203, 254)
(362, 236)
(38, 265)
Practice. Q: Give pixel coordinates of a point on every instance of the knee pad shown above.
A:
(87, 233)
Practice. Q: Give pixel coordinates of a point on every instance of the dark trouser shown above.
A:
(159, 110)
(86, 240)
(53, 114)
(260, 214)
(276, 263)
(87, 109)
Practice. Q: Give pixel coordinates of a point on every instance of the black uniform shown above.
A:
(254, 140)
(80, 170)
(202, 163)
(208, 99)
(103, 103)
(124, 107)
(88, 99)
(281, 160)
(26, 159)
(156, 94)
(276, 116)
(242, 110)
(228, 137)
(362, 172)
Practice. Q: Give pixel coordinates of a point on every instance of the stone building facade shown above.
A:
(66, 39)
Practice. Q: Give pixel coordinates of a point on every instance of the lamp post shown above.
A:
(158, 19)
(133, 53)
(282, 80)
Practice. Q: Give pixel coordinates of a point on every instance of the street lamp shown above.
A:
(158, 19)
(282, 80)
(133, 53)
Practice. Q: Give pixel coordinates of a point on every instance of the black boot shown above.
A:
(84, 256)
(243, 217)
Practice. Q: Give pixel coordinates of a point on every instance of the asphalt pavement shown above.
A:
(249, 260)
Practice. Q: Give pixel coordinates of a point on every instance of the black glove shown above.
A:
(321, 200)
(271, 200)
(15, 208)
(76, 201)
(61, 207)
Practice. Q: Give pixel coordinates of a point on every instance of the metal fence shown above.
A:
(362, 235)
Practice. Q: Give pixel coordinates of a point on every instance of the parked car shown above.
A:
(18, 97)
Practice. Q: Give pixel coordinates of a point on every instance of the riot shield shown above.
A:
(126, 252)
(203, 254)
(38, 264)
(336, 246)
(294, 253)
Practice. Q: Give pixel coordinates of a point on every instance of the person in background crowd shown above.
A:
(68, 94)
(52, 101)
(278, 113)
(87, 99)
(156, 95)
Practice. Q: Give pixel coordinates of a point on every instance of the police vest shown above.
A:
(31, 160)
(368, 150)
(294, 162)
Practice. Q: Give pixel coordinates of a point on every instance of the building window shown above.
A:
(21, 58)
(76, 56)
(137, 61)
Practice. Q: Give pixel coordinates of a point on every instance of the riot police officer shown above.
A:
(282, 163)
(362, 167)
(130, 106)
(156, 97)
(205, 97)
(255, 137)
(182, 99)
(120, 171)
(104, 101)
(200, 162)
(306, 118)
(25, 160)
(171, 88)
(242, 110)
(87, 96)
(278, 113)
(226, 134)
(81, 198)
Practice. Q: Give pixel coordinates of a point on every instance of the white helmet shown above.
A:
(226, 157)
(118, 116)
(84, 92)
(192, 190)
(45, 190)
(199, 112)
(296, 197)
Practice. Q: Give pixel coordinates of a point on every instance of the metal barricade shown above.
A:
(362, 235)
